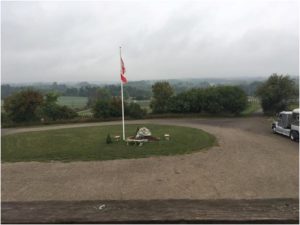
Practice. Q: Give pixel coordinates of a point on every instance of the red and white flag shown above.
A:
(123, 70)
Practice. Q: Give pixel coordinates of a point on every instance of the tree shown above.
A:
(233, 99)
(179, 103)
(101, 109)
(98, 94)
(162, 92)
(276, 93)
(212, 100)
(134, 110)
(190, 101)
(115, 107)
(65, 112)
(221, 99)
(23, 106)
(50, 110)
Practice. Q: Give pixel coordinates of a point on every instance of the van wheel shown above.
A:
(274, 130)
(292, 137)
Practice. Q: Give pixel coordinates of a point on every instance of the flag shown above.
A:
(123, 70)
(123, 81)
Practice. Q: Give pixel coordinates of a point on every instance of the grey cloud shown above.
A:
(75, 41)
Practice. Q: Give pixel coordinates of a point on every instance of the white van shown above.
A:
(287, 124)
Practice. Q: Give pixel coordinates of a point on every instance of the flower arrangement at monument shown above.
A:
(142, 135)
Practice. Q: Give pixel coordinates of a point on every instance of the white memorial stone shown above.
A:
(143, 132)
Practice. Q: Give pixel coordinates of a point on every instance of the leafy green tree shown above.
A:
(212, 100)
(233, 99)
(115, 107)
(162, 92)
(101, 109)
(23, 106)
(190, 101)
(228, 99)
(98, 94)
(50, 110)
(276, 93)
(195, 97)
(51, 98)
(134, 110)
(179, 103)
(66, 112)
(5, 118)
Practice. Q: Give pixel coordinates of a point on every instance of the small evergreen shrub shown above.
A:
(108, 139)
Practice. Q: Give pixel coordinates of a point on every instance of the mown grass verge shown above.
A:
(89, 143)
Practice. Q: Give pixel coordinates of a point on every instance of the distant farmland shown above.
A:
(145, 104)
(73, 101)
(81, 102)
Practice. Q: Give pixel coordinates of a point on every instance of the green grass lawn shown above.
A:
(73, 101)
(89, 143)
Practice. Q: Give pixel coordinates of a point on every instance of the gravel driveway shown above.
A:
(249, 162)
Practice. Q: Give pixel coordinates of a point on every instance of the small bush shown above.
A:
(113, 108)
(135, 111)
(101, 109)
(108, 139)
(5, 119)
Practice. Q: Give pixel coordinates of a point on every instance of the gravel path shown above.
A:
(249, 162)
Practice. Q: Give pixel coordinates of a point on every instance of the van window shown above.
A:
(296, 116)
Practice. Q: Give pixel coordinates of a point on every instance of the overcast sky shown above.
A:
(79, 41)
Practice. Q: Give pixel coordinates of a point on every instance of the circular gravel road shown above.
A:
(249, 162)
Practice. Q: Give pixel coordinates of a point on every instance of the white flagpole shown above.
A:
(123, 123)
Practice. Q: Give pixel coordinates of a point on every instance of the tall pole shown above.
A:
(123, 123)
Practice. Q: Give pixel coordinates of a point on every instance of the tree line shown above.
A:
(83, 91)
(276, 94)
(139, 90)
(31, 105)
(212, 100)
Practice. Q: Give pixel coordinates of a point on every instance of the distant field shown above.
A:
(86, 113)
(73, 102)
(145, 104)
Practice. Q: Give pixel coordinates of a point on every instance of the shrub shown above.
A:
(66, 113)
(101, 109)
(50, 110)
(162, 92)
(23, 106)
(233, 99)
(113, 108)
(108, 139)
(221, 99)
(5, 118)
(134, 110)
(276, 93)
